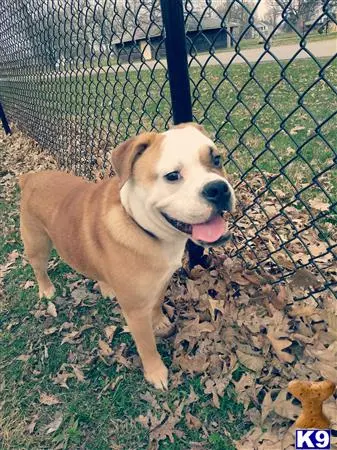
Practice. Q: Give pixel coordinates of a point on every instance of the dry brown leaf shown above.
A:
(13, 256)
(23, 358)
(238, 278)
(210, 388)
(151, 421)
(70, 338)
(49, 399)
(193, 364)
(215, 305)
(266, 407)
(31, 426)
(252, 362)
(331, 318)
(55, 424)
(280, 300)
(280, 342)
(167, 430)
(28, 284)
(318, 205)
(192, 422)
(329, 409)
(252, 277)
(327, 371)
(300, 310)
(49, 331)
(78, 373)
(194, 328)
(284, 407)
(110, 331)
(192, 289)
(296, 129)
(303, 278)
(192, 397)
(147, 397)
(62, 378)
(51, 309)
(105, 349)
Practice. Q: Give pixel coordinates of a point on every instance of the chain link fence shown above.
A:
(81, 76)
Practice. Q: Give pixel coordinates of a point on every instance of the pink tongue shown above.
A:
(209, 231)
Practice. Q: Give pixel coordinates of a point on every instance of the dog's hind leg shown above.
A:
(37, 248)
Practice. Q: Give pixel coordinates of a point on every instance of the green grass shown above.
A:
(92, 418)
(266, 118)
(284, 39)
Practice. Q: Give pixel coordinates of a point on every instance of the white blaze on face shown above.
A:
(182, 200)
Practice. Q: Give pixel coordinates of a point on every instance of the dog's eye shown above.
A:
(217, 161)
(173, 176)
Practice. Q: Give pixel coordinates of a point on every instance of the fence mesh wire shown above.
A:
(81, 76)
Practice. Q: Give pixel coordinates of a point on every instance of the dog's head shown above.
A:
(173, 185)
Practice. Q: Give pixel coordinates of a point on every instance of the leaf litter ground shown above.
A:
(71, 377)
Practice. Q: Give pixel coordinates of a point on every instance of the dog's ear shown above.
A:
(125, 155)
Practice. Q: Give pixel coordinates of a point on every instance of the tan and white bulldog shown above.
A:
(129, 232)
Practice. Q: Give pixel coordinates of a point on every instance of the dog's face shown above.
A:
(172, 184)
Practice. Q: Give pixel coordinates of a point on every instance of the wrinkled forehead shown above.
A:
(183, 147)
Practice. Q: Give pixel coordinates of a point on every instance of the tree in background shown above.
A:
(273, 14)
(296, 12)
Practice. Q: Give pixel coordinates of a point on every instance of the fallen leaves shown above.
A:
(51, 309)
(79, 374)
(105, 349)
(192, 422)
(296, 129)
(28, 284)
(62, 378)
(49, 399)
(280, 342)
(252, 362)
(55, 424)
(31, 426)
(318, 205)
(23, 358)
(73, 337)
(110, 331)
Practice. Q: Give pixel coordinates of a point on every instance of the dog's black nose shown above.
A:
(218, 193)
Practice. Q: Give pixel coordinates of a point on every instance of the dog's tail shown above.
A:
(23, 180)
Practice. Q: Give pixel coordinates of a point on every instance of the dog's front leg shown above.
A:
(141, 328)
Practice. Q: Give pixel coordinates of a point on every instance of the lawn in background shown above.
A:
(284, 39)
(263, 116)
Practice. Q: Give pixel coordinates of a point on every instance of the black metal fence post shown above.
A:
(176, 55)
(4, 120)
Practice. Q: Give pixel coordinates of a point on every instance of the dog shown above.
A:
(129, 232)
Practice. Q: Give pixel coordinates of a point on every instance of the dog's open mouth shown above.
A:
(214, 231)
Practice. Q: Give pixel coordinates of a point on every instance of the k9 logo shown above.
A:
(313, 439)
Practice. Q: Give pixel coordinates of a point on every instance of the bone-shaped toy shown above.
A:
(312, 395)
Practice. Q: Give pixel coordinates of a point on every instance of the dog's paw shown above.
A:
(158, 377)
(47, 292)
(162, 326)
